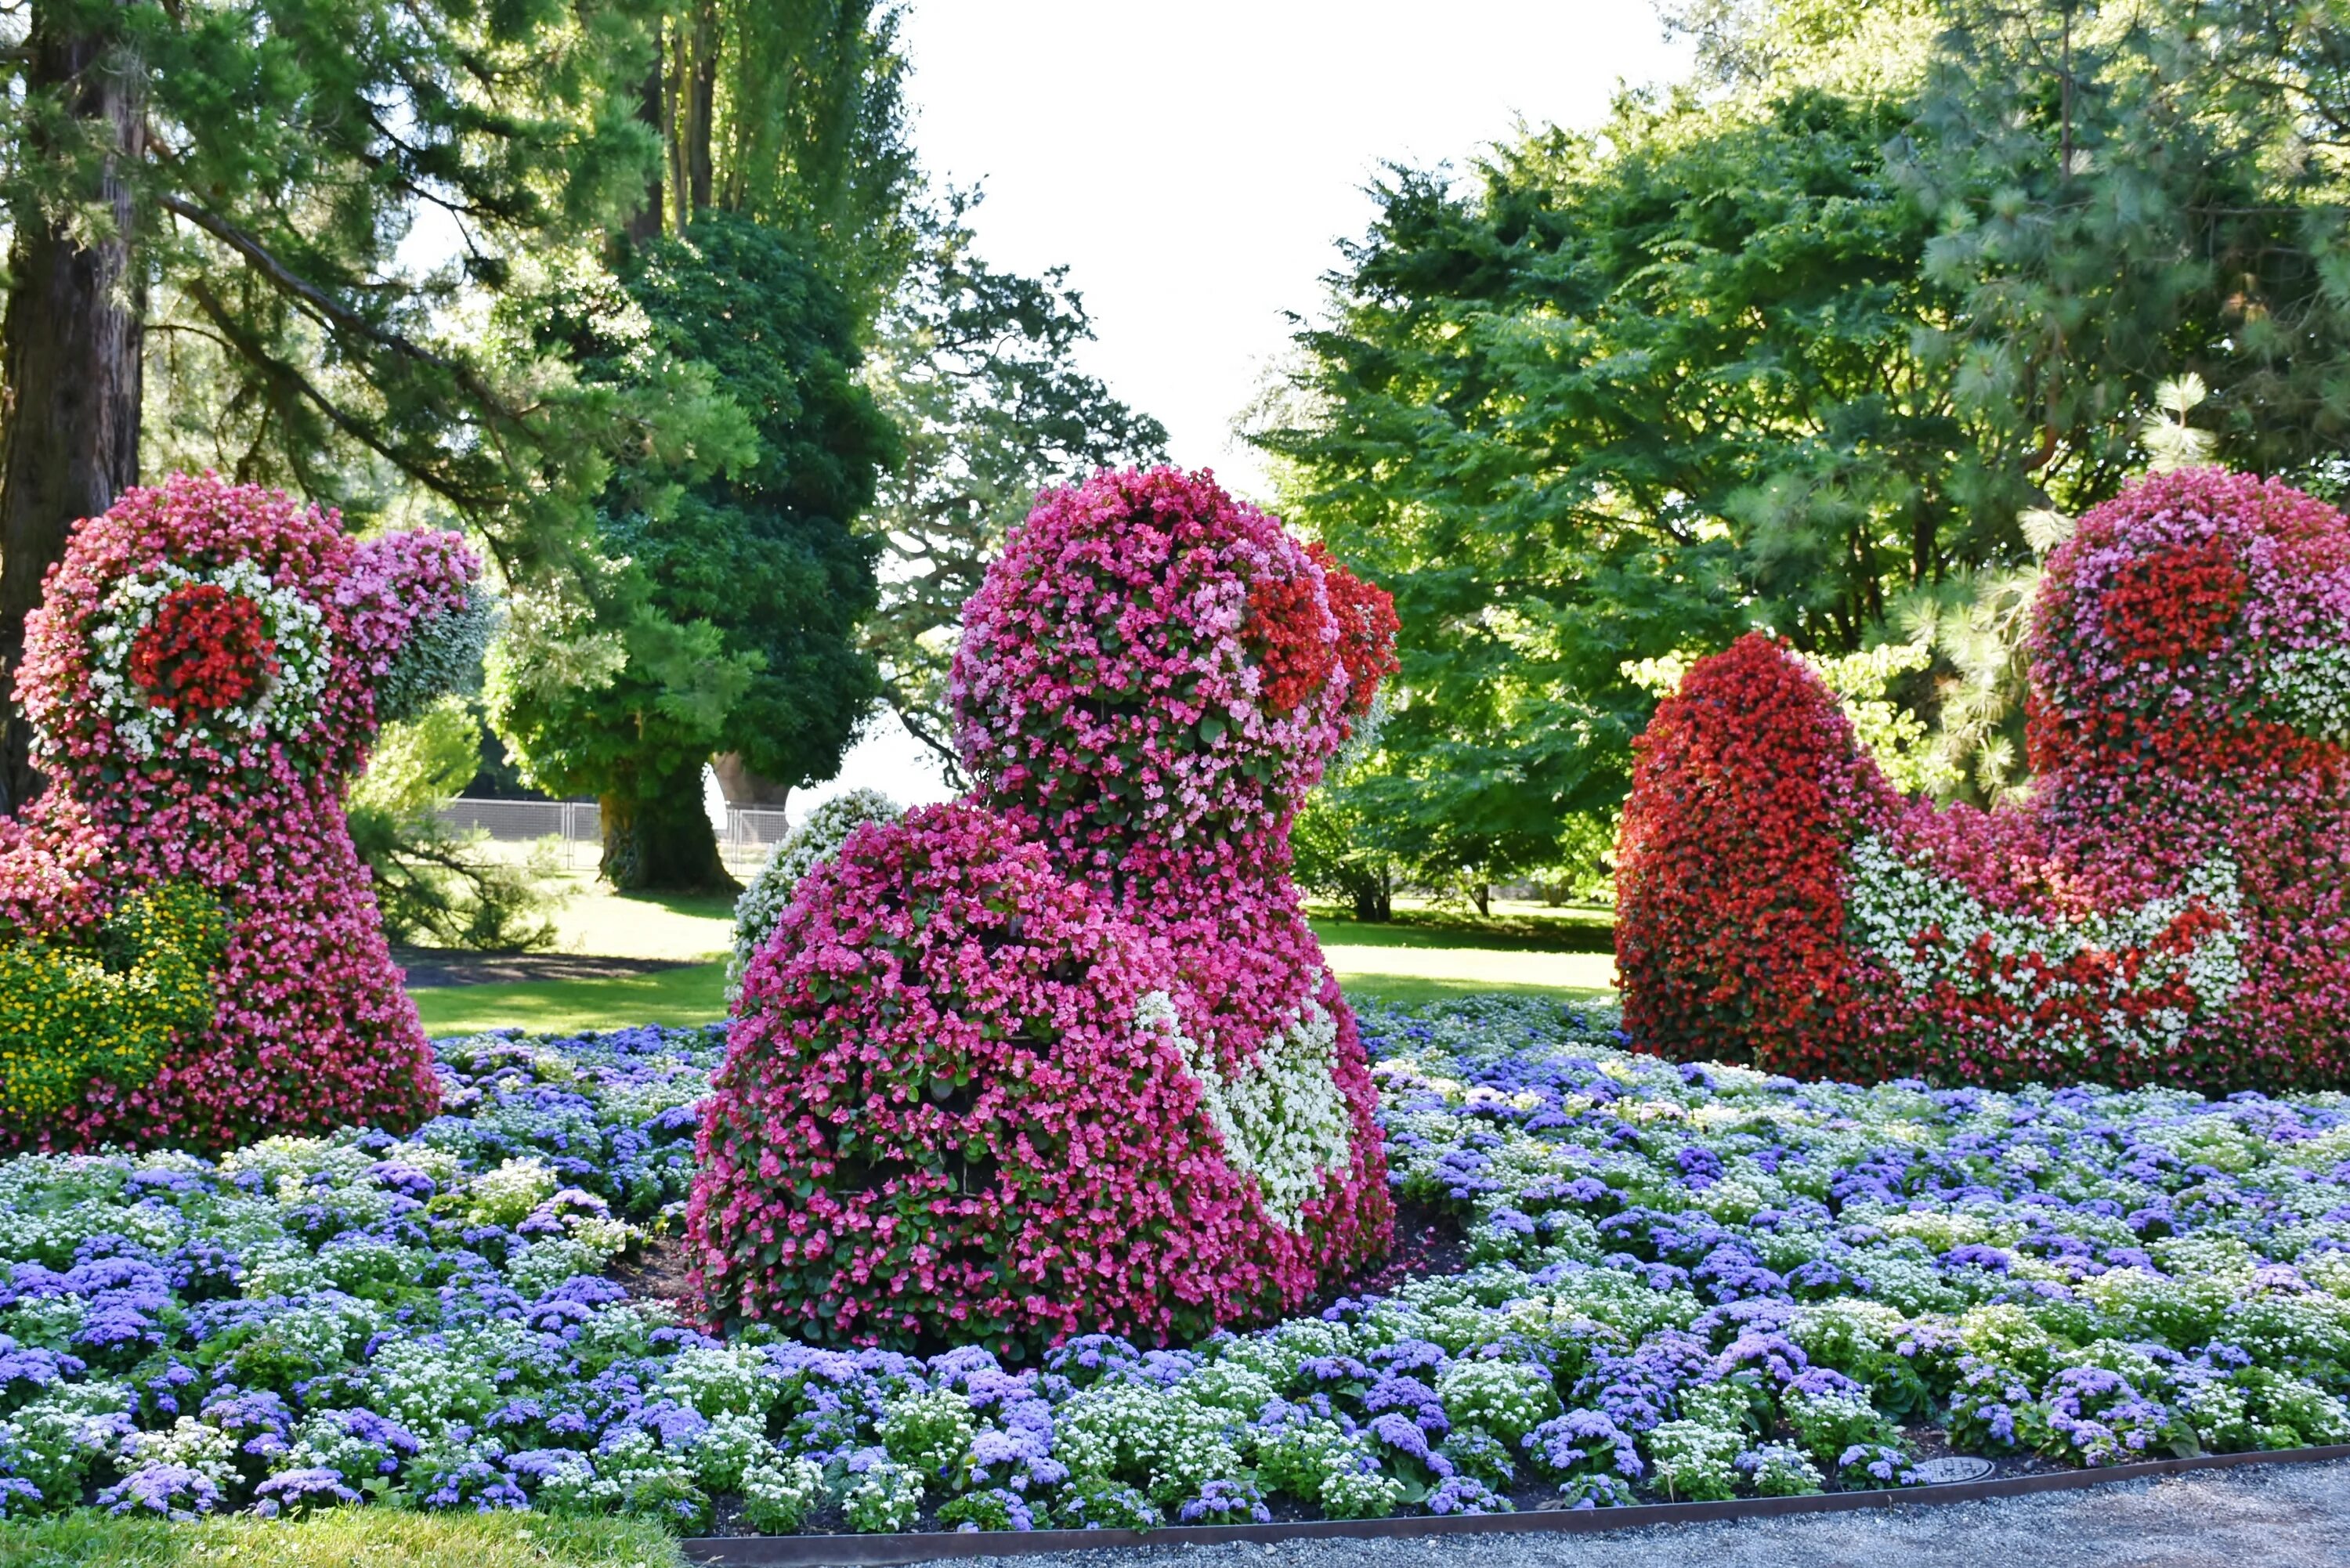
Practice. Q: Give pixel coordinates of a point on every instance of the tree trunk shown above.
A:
(69, 380)
(645, 224)
(663, 843)
(702, 110)
(1374, 895)
(744, 787)
(1482, 893)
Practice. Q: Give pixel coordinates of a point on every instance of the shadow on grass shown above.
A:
(1572, 932)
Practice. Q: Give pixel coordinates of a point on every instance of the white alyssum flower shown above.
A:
(1283, 1117)
(2310, 689)
(1890, 902)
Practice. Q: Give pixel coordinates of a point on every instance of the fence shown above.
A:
(745, 840)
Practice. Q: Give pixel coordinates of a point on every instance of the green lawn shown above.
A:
(1427, 952)
(694, 996)
(346, 1538)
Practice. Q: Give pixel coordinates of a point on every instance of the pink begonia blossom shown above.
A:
(1065, 1055)
(313, 1029)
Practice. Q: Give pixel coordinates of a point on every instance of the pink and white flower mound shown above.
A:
(201, 678)
(1064, 1056)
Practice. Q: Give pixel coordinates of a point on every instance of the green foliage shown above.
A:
(2124, 194)
(978, 370)
(432, 883)
(1807, 348)
(791, 113)
(290, 148)
(724, 615)
(1338, 854)
(1622, 399)
(68, 1013)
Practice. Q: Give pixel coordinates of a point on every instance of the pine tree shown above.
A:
(238, 178)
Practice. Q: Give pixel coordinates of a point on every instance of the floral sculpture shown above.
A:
(1063, 1056)
(206, 669)
(817, 837)
(2170, 904)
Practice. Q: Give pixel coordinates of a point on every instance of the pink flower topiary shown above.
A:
(202, 676)
(2170, 904)
(1154, 1113)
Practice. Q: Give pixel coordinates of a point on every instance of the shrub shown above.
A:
(110, 1011)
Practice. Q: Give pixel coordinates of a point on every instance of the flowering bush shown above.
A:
(1064, 1056)
(2167, 906)
(762, 903)
(1697, 1279)
(201, 679)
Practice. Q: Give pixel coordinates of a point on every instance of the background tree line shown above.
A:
(1820, 342)
(651, 298)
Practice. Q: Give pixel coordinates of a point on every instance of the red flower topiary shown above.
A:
(206, 648)
(2170, 904)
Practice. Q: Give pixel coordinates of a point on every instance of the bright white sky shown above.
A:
(1195, 165)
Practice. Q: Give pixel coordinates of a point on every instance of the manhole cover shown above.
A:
(1958, 1467)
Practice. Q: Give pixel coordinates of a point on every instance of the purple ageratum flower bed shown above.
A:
(1682, 1283)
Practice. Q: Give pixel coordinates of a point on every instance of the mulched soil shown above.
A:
(655, 1273)
(429, 968)
(1428, 1244)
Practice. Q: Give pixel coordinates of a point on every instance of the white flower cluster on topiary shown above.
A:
(1932, 932)
(827, 827)
(1282, 1116)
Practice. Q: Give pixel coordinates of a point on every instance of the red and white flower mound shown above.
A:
(1065, 1056)
(2171, 903)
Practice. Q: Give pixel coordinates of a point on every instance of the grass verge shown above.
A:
(352, 1538)
(695, 994)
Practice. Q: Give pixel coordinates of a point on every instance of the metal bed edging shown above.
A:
(881, 1550)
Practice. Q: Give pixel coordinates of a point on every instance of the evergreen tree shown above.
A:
(724, 617)
(242, 175)
(789, 112)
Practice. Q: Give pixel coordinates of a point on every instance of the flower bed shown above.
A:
(1683, 1283)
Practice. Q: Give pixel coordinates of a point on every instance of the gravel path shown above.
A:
(2281, 1516)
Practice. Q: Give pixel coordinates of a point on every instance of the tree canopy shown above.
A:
(1800, 346)
(242, 177)
(724, 616)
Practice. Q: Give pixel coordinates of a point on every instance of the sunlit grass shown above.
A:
(696, 994)
(343, 1538)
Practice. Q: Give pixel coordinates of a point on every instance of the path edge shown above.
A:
(885, 1551)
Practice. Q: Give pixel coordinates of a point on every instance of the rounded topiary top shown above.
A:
(954, 1101)
(2195, 623)
(204, 631)
(1151, 659)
